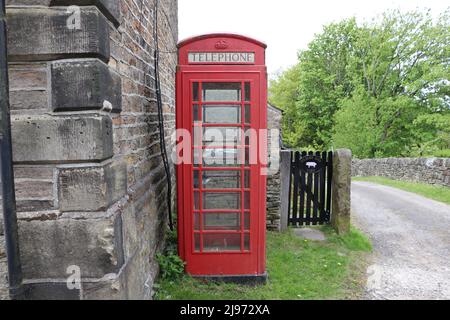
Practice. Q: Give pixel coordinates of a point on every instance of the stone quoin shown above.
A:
(90, 185)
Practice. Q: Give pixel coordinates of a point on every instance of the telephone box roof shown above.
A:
(218, 35)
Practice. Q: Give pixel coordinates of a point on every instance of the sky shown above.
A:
(286, 26)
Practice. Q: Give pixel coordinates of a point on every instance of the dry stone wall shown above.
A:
(427, 170)
(273, 180)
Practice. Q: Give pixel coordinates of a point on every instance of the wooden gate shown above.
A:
(310, 188)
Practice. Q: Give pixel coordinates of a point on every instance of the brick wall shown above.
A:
(90, 184)
(427, 170)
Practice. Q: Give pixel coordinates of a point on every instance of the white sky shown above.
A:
(285, 25)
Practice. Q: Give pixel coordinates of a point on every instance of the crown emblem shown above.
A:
(222, 44)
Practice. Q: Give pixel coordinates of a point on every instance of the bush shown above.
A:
(171, 266)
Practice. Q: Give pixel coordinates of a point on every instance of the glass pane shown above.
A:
(221, 91)
(221, 136)
(247, 221)
(196, 201)
(246, 242)
(195, 113)
(222, 201)
(222, 114)
(196, 221)
(197, 136)
(247, 179)
(247, 200)
(222, 157)
(196, 179)
(247, 113)
(196, 157)
(248, 136)
(221, 221)
(247, 91)
(195, 91)
(221, 242)
(221, 179)
(197, 242)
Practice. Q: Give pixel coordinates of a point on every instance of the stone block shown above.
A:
(110, 8)
(46, 34)
(31, 76)
(33, 172)
(50, 291)
(285, 172)
(49, 245)
(28, 100)
(341, 190)
(27, 2)
(91, 188)
(84, 84)
(34, 189)
(112, 287)
(43, 138)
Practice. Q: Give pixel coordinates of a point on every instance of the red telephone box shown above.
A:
(222, 92)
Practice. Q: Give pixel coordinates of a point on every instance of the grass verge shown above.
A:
(298, 269)
(437, 193)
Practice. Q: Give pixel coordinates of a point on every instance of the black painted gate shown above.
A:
(310, 188)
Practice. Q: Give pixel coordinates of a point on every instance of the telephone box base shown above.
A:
(250, 280)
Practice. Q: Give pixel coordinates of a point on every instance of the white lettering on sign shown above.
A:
(221, 57)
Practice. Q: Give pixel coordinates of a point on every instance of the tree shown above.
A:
(283, 94)
(380, 88)
(324, 81)
(400, 70)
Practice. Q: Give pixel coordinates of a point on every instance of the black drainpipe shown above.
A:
(7, 173)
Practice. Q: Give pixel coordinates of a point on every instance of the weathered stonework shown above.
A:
(110, 8)
(62, 139)
(274, 118)
(90, 184)
(93, 243)
(427, 170)
(99, 187)
(43, 34)
(4, 294)
(84, 84)
(341, 191)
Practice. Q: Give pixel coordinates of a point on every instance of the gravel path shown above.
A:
(411, 239)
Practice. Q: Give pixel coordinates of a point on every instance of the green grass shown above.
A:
(298, 269)
(437, 193)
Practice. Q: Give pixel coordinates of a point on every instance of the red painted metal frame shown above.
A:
(224, 263)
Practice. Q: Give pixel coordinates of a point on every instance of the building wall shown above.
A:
(3, 267)
(274, 118)
(90, 183)
(428, 170)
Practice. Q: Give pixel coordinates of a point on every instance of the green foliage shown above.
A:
(170, 264)
(434, 132)
(380, 88)
(354, 241)
(309, 92)
(298, 269)
(438, 193)
(283, 94)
